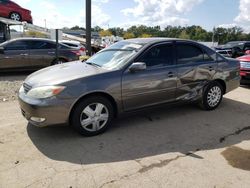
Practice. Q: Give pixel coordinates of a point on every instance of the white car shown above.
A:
(75, 44)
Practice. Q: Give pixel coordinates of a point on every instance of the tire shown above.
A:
(92, 116)
(15, 16)
(60, 61)
(212, 96)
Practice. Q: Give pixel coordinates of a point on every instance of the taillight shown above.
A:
(83, 49)
(76, 52)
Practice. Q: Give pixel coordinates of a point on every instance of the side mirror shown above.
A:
(138, 66)
(1, 50)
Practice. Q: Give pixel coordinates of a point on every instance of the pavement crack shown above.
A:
(237, 132)
(159, 165)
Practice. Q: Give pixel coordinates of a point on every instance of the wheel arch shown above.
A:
(64, 58)
(16, 13)
(95, 94)
(223, 84)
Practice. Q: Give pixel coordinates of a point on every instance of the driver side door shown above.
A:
(156, 84)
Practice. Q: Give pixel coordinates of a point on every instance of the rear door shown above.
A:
(195, 68)
(156, 84)
(15, 55)
(42, 53)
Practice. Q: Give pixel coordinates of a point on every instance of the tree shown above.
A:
(145, 35)
(77, 28)
(117, 31)
(97, 29)
(184, 35)
(128, 35)
(105, 33)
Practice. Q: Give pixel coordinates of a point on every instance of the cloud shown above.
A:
(22, 2)
(161, 12)
(227, 25)
(50, 12)
(243, 18)
(244, 15)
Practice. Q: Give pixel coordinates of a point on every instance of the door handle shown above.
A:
(51, 52)
(210, 68)
(170, 74)
(23, 54)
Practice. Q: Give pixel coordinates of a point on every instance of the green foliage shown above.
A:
(117, 31)
(35, 34)
(104, 33)
(128, 35)
(221, 35)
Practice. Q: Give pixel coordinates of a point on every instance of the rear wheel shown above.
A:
(60, 61)
(212, 96)
(92, 116)
(15, 16)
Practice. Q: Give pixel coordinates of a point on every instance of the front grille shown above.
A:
(26, 87)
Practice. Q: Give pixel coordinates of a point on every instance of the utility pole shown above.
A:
(88, 27)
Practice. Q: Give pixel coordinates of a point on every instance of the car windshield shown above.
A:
(115, 56)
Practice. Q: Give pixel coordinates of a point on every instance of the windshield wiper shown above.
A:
(93, 64)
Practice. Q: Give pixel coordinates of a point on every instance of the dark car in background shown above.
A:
(245, 69)
(234, 48)
(10, 9)
(124, 77)
(34, 53)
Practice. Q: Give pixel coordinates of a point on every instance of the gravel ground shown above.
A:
(181, 147)
(9, 86)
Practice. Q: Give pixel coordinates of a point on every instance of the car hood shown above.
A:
(244, 58)
(66, 72)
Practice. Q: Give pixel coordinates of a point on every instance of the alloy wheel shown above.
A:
(15, 16)
(94, 117)
(214, 96)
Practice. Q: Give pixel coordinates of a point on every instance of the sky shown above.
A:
(125, 13)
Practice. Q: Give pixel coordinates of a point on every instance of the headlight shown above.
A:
(245, 65)
(21, 90)
(45, 92)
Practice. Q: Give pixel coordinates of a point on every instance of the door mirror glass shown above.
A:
(137, 66)
(1, 50)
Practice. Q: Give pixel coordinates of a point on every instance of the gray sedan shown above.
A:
(127, 76)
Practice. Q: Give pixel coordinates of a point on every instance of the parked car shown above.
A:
(75, 44)
(33, 53)
(237, 48)
(127, 76)
(10, 9)
(245, 69)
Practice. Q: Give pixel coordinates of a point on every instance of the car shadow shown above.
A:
(183, 129)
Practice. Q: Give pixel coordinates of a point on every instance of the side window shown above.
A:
(189, 54)
(17, 45)
(41, 45)
(158, 56)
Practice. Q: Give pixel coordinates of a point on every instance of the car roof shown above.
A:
(33, 39)
(154, 40)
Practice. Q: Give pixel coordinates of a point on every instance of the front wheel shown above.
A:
(212, 96)
(92, 116)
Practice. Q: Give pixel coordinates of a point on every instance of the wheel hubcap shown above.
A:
(94, 117)
(214, 96)
(15, 16)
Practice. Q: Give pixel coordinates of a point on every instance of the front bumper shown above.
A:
(52, 111)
